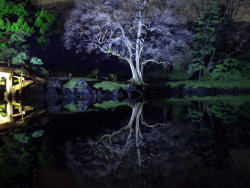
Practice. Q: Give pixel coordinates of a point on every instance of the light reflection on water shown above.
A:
(13, 113)
(166, 142)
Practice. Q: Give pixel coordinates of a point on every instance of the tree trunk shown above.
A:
(136, 78)
(138, 48)
(200, 74)
(138, 136)
(201, 71)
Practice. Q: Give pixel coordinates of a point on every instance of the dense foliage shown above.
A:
(205, 34)
(23, 30)
(219, 45)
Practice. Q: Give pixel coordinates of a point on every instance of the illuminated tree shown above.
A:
(136, 31)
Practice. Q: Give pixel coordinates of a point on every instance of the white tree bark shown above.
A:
(136, 31)
(139, 49)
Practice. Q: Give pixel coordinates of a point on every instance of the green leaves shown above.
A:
(20, 58)
(194, 115)
(36, 61)
(9, 8)
(14, 29)
(37, 134)
(21, 137)
(13, 18)
(3, 110)
(19, 37)
(19, 25)
(228, 70)
(225, 112)
(206, 32)
(194, 67)
(44, 22)
(18, 22)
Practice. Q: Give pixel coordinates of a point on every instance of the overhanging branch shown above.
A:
(153, 61)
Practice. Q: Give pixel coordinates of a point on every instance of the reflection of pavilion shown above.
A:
(15, 113)
(9, 73)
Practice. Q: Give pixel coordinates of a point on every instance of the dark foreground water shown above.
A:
(198, 142)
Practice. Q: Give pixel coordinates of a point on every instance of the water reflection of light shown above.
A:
(8, 77)
(12, 116)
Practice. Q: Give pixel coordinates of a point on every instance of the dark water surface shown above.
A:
(198, 142)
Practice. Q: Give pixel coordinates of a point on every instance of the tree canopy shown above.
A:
(22, 26)
(136, 31)
(218, 38)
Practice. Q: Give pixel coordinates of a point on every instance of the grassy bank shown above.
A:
(211, 99)
(181, 79)
(110, 85)
(210, 84)
(72, 83)
(105, 85)
(110, 104)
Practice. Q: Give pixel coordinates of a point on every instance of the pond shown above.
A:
(172, 142)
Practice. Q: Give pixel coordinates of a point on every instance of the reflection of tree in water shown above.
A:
(217, 132)
(137, 148)
(218, 140)
(22, 152)
(224, 112)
